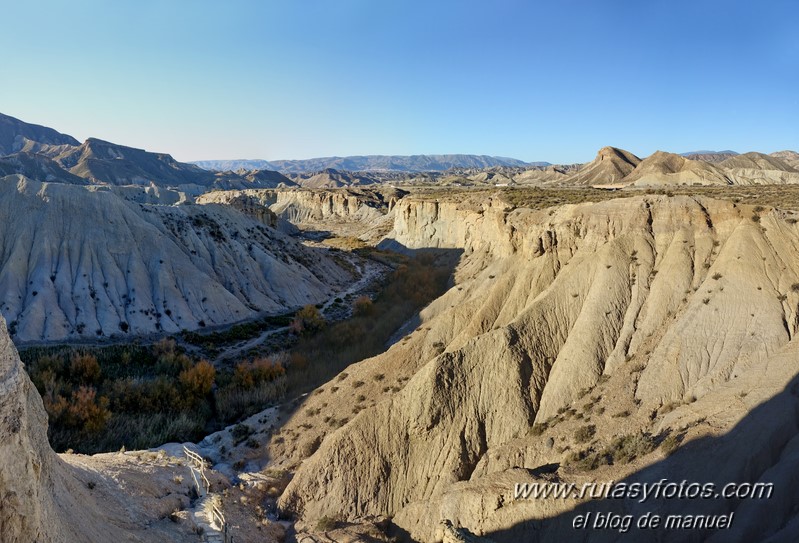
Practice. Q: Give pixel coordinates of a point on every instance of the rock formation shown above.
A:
(789, 157)
(611, 165)
(27, 511)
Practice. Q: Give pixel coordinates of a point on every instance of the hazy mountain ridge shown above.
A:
(709, 156)
(404, 163)
(234, 165)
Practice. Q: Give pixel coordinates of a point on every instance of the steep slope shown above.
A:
(756, 161)
(643, 301)
(354, 211)
(541, 175)
(757, 168)
(268, 179)
(14, 134)
(663, 168)
(99, 264)
(26, 470)
(243, 180)
(610, 166)
(492, 177)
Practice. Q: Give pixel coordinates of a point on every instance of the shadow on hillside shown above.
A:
(745, 454)
(347, 342)
(328, 366)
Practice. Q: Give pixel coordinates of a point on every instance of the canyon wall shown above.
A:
(651, 302)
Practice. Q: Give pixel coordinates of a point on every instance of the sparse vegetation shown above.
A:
(413, 284)
(621, 450)
(669, 407)
(584, 433)
(538, 429)
(101, 398)
(670, 444)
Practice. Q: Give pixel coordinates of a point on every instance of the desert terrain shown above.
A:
(381, 348)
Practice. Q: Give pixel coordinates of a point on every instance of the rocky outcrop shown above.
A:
(664, 169)
(790, 158)
(27, 512)
(330, 178)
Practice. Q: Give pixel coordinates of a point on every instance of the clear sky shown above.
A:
(534, 80)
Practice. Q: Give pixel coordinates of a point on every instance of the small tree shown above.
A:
(88, 412)
(362, 306)
(84, 369)
(198, 380)
(307, 321)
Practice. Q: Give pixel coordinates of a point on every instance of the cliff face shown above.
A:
(357, 212)
(646, 302)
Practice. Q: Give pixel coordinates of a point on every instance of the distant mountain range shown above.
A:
(43, 154)
(234, 165)
(710, 156)
(400, 163)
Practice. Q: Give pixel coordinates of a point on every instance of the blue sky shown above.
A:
(285, 79)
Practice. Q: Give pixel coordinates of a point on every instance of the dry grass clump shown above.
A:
(670, 444)
(622, 450)
(584, 433)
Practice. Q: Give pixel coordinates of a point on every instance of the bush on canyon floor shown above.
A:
(108, 397)
(307, 321)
